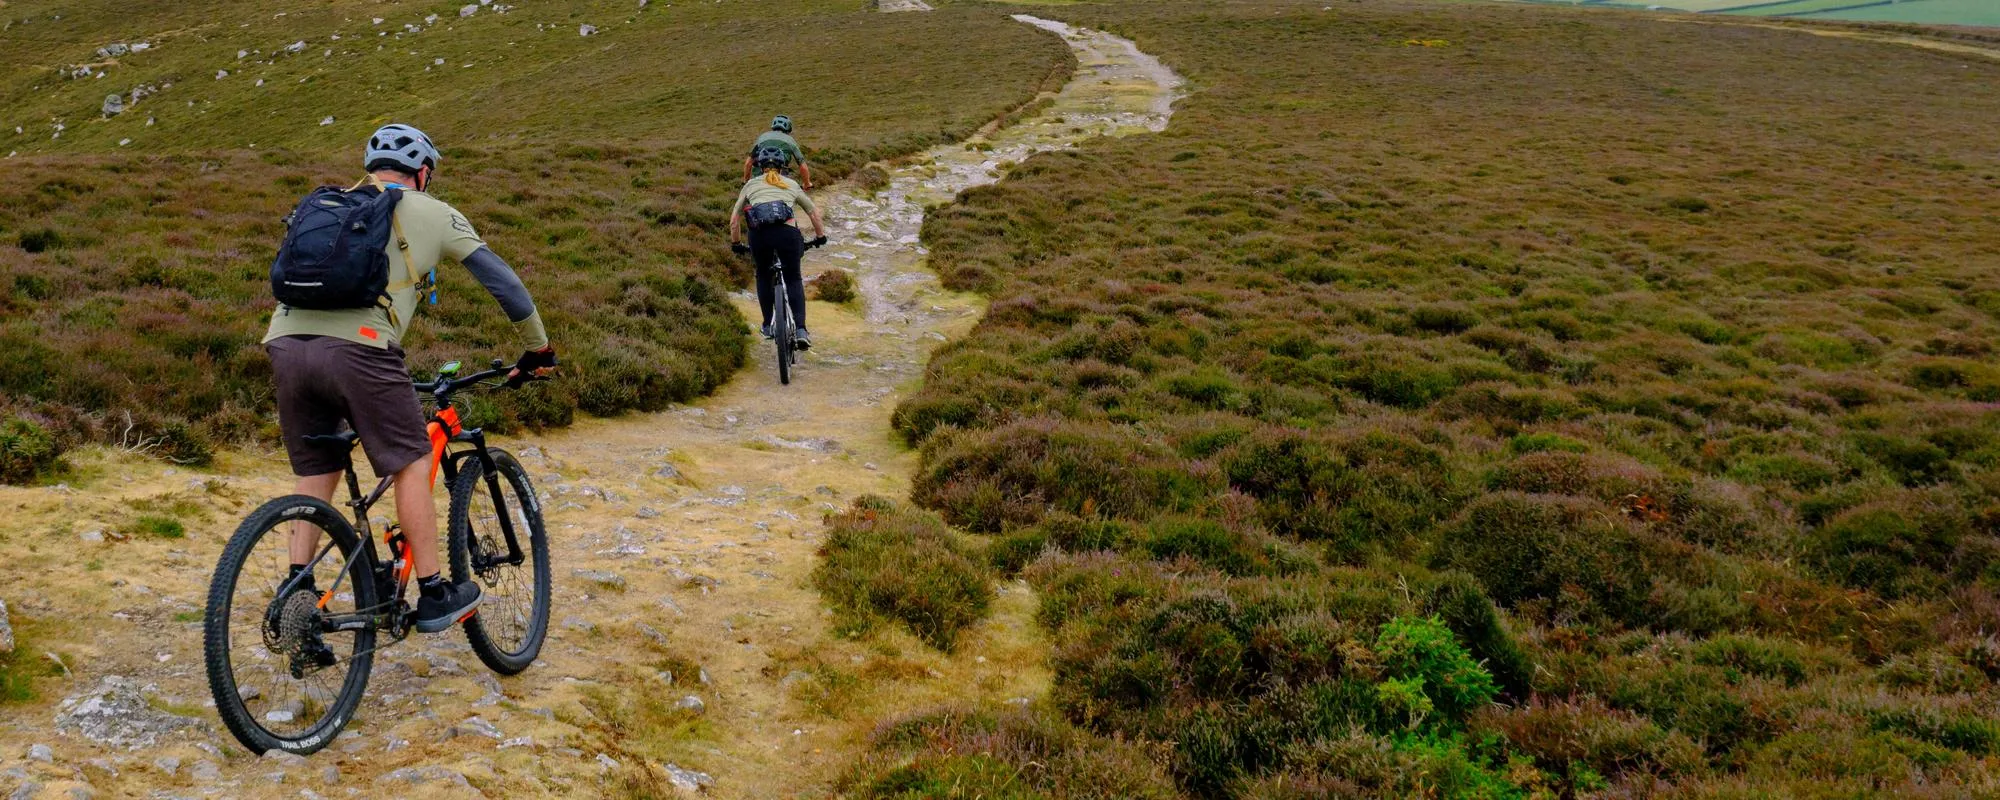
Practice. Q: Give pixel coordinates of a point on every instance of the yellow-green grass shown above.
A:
(1629, 350)
(135, 276)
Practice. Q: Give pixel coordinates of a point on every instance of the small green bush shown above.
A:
(27, 451)
(900, 564)
(833, 286)
(162, 527)
(1420, 659)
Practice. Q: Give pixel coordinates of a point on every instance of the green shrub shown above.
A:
(1543, 442)
(161, 527)
(833, 286)
(1420, 658)
(27, 451)
(900, 564)
(1207, 542)
(40, 240)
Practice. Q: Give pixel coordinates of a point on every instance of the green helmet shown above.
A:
(781, 123)
(770, 157)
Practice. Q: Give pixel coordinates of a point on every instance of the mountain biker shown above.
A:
(780, 135)
(346, 365)
(766, 202)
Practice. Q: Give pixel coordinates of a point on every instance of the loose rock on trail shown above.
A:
(689, 655)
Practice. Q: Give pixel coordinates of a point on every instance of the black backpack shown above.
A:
(335, 253)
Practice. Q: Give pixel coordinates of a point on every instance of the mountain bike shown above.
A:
(782, 326)
(288, 666)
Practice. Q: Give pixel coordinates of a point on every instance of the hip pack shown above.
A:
(773, 213)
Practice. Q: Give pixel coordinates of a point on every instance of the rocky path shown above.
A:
(688, 651)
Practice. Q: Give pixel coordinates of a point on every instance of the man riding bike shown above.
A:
(780, 136)
(345, 365)
(766, 203)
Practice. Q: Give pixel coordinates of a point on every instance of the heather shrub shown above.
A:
(1565, 737)
(1457, 600)
(1567, 553)
(1358, 493)
(882, 562)
(1063, 532)
(1231, 550)
(1909, 547)
(1696, 476)
(1020, 753)
(985, 481)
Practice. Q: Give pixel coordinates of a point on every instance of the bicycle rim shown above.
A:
(781, 325)
(513, 617)
(263, 650)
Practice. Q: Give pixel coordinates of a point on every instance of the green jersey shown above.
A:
(783, 141)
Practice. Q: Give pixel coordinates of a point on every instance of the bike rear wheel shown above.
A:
(781, 325)
(281, 681)
(513, 616)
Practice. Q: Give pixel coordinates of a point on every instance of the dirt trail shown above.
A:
(687, 534)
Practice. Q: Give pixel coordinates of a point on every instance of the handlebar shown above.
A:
(445, 387)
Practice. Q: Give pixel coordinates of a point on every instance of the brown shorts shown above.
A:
(325, 381)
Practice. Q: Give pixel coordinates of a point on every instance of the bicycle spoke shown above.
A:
(507, 610)
(275, 642)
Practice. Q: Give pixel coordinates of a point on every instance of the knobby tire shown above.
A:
(275, 518)
(480, 481)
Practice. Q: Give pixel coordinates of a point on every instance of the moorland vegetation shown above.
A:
(135, 247)
(1467, 400)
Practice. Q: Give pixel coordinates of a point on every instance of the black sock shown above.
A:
(307, 583)
(432, 585)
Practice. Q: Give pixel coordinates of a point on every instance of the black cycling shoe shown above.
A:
(767, 331)
(800, 341)
(439, 613)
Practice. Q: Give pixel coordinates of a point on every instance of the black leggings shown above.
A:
(779, 243)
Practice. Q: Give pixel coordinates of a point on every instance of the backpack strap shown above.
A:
(402, 246)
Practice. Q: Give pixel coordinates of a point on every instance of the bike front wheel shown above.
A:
(497, 538)
(288, 664)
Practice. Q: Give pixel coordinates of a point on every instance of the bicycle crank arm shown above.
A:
(346, 623)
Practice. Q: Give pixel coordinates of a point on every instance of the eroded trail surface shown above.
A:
(687, 647)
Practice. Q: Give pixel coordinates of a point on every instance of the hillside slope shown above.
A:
(1653, 360)
(599, 165)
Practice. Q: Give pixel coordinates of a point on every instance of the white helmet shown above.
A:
(402, 147)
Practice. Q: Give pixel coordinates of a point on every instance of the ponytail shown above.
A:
(771, 177)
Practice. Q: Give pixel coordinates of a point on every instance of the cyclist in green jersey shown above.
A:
(780, 136)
